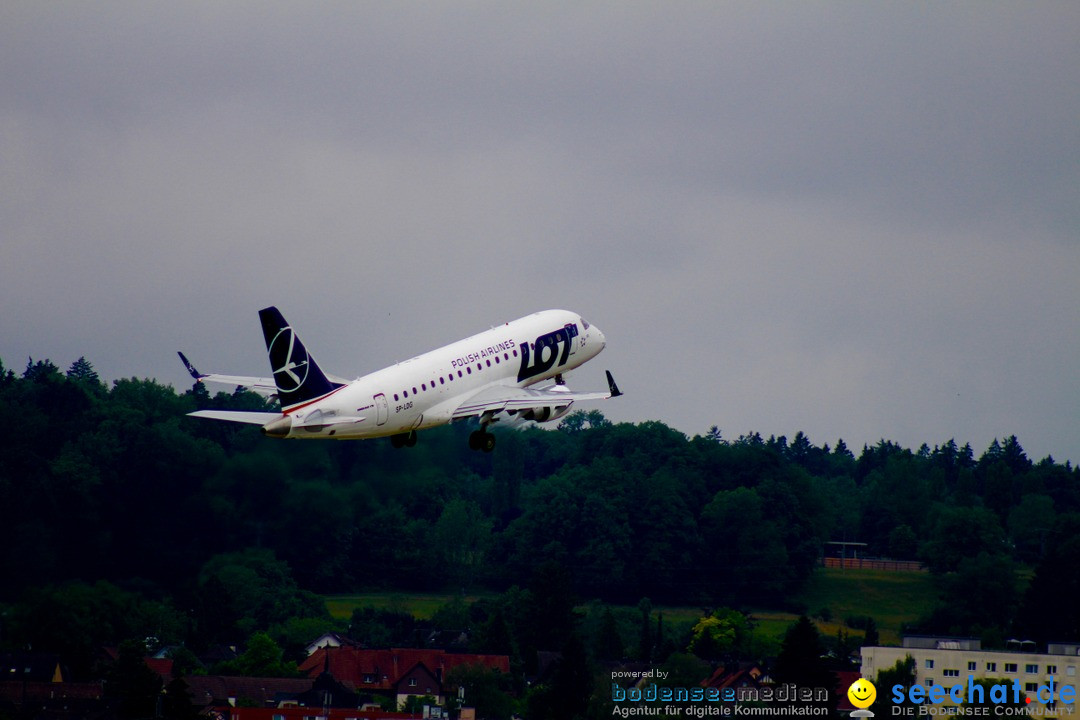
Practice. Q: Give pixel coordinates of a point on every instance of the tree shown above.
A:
(485, 689)
(959, 532)
(82, 371)
(903, 674)
(722, 634)
(176, 702)
(131, 684)
(262, 658)
(801, 660)
(982, 594)
(871, 637)
(645, 639)
(1049, 609)
(609, 644)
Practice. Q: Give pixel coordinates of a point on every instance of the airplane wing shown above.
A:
(261, 386)
(556, 399)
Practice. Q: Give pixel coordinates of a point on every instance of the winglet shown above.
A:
(612, 387)
(190, 368)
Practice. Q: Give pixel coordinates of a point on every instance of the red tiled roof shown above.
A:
(352, 666)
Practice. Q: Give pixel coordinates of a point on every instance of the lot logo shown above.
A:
(542, 355)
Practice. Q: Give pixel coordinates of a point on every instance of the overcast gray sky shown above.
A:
(858, 220)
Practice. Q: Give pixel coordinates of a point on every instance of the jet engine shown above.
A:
(544, 413)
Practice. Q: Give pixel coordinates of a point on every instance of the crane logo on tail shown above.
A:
(289, 360)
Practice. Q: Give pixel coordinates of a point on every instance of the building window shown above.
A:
(950, 673)
(412, 682)
(1031, 687)
(1051, 669)
(1070, 670)
(929, 664)
(1010, 667)
(369, 679)
(991, 667)
(1031, 669)
(929, 682)
(971, 666)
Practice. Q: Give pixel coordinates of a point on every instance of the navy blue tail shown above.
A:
(297, 376)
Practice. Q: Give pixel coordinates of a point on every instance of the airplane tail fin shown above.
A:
(298, 378)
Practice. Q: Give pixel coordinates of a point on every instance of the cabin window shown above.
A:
(442, 381)
(395, 397)
(489, 363)
(467, 370)
(414, 390)
(405, 393)
(496, 360)
(423, 386)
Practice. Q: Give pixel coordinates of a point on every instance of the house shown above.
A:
(331, 639)
(30, 667)
(397, 672)
(230, 691)
(736, 677)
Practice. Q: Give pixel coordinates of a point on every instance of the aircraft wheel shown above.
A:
(474, 439)
(487, 442)
(398, 441)
(410, 439)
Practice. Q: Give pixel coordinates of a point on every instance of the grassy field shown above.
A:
(891, 598)
(422, 606)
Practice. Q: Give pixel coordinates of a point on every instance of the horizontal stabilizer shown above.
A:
(241, 416)
(258, 385)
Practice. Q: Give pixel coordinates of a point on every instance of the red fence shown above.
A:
(873, 564)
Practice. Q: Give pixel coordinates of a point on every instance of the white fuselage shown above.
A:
(426, 390)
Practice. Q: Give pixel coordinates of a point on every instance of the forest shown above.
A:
(122, 518)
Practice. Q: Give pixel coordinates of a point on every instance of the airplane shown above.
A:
(512, 372)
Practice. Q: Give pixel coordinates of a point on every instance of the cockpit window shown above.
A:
(585, 323)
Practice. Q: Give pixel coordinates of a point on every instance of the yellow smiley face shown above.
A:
(862, 693)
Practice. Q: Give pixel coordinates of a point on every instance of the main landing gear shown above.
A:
(407, 439)
(482, 440)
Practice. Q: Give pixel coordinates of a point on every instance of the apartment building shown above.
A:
(950, 660)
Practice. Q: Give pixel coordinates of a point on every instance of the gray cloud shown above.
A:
(859, 221)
